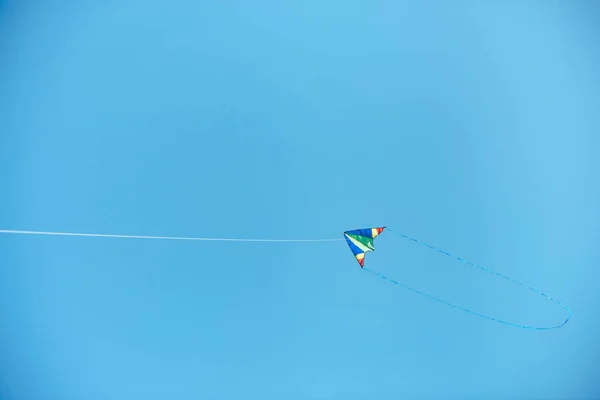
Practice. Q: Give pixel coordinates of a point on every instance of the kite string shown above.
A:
(483, 269)
(201, 239)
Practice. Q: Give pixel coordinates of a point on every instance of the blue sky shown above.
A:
(470, 125)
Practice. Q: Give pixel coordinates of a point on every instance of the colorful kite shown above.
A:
(361, 242)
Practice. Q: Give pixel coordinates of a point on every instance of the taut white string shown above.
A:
(199, 239)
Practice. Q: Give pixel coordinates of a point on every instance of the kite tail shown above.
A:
(483, 269)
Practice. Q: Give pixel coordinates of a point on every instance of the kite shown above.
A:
(360, 241)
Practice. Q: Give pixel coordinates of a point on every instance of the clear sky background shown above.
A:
(471, 125)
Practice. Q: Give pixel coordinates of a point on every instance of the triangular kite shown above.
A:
(361, 242)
